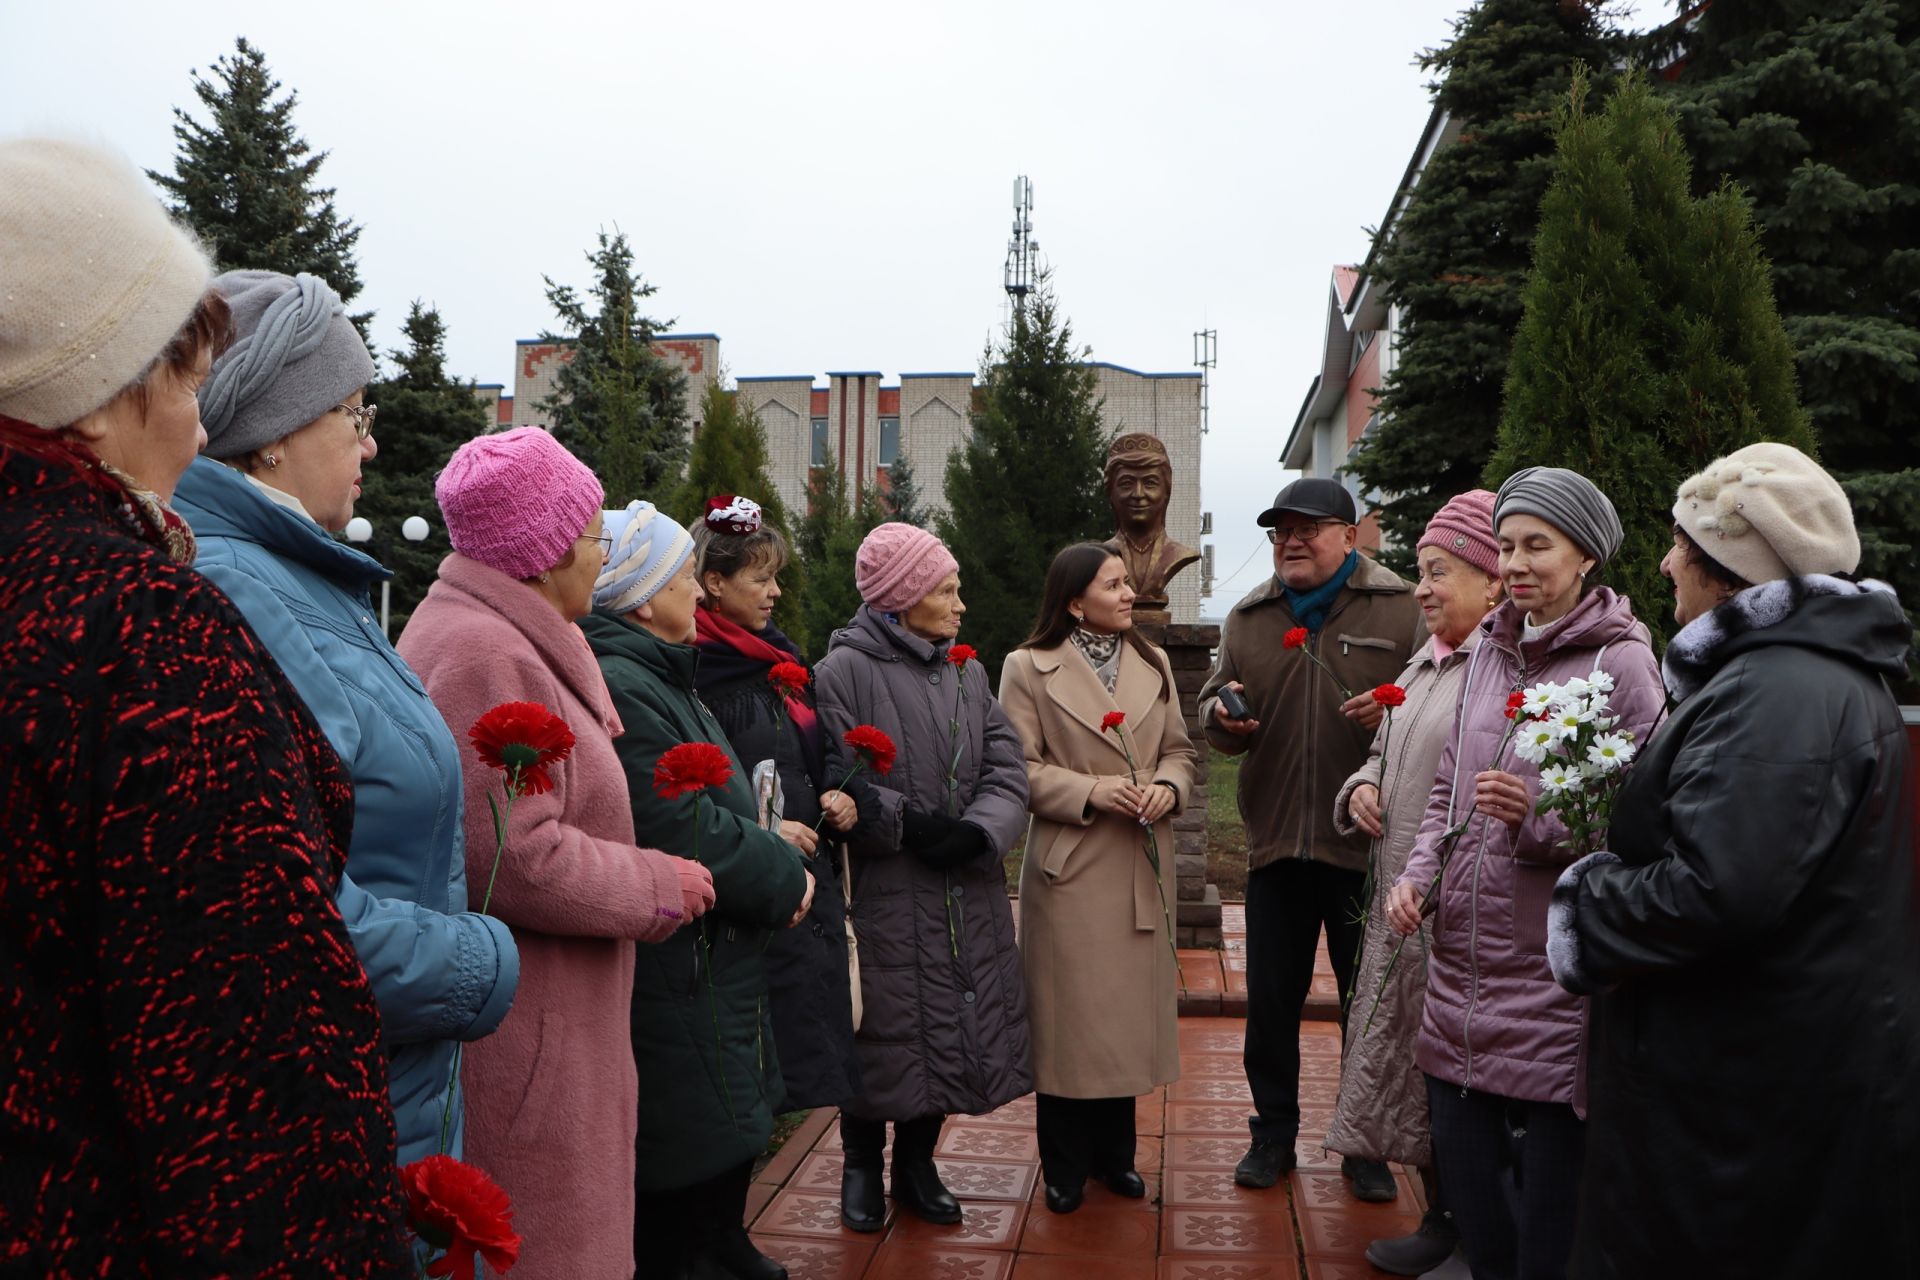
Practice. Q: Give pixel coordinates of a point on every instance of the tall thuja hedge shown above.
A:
(1650, 343)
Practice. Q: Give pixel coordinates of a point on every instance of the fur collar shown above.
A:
(1697, 651)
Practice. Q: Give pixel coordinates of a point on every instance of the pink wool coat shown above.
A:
(552, 1096)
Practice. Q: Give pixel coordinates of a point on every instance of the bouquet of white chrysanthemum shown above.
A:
(1582, 754)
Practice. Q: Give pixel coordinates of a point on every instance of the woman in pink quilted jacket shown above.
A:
(1501, 1041)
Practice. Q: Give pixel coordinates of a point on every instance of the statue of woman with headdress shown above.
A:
(1139, 477)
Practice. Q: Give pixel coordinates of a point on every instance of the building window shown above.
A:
(819, 458)
(889, 441)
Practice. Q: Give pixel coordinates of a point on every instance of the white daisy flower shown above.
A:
(1539, 700)
(1569, 718)
(1534, 742)
(1575, 688)
(1599, 681)
(1610, 751)
(1559, 779)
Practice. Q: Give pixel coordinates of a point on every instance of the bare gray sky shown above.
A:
(825, 186)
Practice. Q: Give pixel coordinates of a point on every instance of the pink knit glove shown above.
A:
(696, 887)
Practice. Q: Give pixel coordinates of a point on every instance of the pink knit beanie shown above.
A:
(899, 565)
(516, 501)
(1464, 526)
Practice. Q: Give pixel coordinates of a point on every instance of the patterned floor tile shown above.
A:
(806, 1213)
(1212, 1066)
(1047, 1266)
(1018, 1114)
(1198, 1188)
(1096, 1229)
(1331, 1191)
(1230, 1088)
(1194, 1151)
(967, 1141)
(987, 1179)
(984, 1224)
(818, 1259)
(1239, 1267)
(897, 1260)
(819, 1173)
(1346, 1234)
(1228, 1231)
(1200, 1117)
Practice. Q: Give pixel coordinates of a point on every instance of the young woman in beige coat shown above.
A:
(1093, 921)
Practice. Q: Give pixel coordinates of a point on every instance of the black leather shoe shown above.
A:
(863, 1204)
(1127, 1182)
(735, 1256)
(1419, 1253)
(1064, 1199)
(917, 1186)
(1371, 1180)
(1266, 1162)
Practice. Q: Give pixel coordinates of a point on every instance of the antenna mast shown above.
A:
(1206, 354)
(1021, 250)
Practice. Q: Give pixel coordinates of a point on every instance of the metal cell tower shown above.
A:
(1206, 354)
(1022, 252)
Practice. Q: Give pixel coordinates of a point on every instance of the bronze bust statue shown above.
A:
(1139, 485)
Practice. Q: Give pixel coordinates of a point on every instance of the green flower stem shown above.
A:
(502, 814)
(1153, 858)
(1373, 861)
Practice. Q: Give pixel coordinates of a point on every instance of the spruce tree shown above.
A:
(828, 541)
(729, 455)
(247, 182)
(902, 494)
(1454, 263)
(620, 407)
(1808, 104)
(1028, 481)
(1650, 343)
(424, 416)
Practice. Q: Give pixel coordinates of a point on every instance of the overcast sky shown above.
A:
(825, 186)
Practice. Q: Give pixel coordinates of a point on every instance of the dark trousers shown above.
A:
(1082, 1137)
(861, 1140)
(1288, 903)
(672, 1229)
(1512, 1174)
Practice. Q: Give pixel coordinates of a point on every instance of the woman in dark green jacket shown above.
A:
(709, 1080)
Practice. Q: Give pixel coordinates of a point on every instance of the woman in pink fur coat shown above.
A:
(552, 1096)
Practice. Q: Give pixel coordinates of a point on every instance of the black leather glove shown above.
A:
(965, 844)
(922, 831)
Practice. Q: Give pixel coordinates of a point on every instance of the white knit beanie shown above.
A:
(95, 279)
(1768, 511)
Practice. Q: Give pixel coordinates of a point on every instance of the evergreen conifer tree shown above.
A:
(619, 406)
(1455, 261)
(424, 416)
(1650, 343)
(1808, 105)
(247, 182)
(729, 455)
(902, 494)
(828, 541)
(1028, 481)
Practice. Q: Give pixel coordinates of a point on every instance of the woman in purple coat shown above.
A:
(1500, 1040)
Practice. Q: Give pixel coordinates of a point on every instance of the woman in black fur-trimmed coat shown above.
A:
(811, 1006)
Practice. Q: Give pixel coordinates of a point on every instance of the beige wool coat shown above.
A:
(1381, 1113)
(1093, 932)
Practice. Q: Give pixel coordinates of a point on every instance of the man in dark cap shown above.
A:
(1302, 736)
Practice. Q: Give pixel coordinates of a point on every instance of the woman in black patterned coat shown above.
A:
(190, 1054)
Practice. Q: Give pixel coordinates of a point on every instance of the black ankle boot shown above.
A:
(863, 1204)
(734, 1255)
(916, 1182)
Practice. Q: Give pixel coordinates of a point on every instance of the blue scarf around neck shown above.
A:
(1310, 607)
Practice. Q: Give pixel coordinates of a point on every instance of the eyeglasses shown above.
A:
(604, 539)
(1304, 534)
(362, 416)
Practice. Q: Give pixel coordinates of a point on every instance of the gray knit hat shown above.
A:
(1566, 500)
(95, 279)
(295, 355)
(1768, 511)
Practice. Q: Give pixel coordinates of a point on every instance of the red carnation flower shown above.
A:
(1390, 695)
(873, 746)
(788, 677)
(457, 1208)
(522, 739)
(961, 654)
(691, 766)
(1295, 639)
(1112, 720)
(1515, 701)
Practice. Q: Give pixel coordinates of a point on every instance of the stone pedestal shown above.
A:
(1197, 915)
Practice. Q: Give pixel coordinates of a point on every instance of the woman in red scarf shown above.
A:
(774, 732)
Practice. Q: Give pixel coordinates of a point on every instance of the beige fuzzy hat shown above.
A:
(1768, 511)
(95, 279)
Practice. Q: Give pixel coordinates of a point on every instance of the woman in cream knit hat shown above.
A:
(198, 1079)
(1751, 940)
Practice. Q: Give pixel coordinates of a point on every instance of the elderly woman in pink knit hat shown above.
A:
(1382, 1109)
(552, 1097)
(945, 1022)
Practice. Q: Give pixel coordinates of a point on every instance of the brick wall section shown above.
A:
(1197, 916)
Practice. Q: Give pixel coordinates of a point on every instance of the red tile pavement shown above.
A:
(1195, 1224)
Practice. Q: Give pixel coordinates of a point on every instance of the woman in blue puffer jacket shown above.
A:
(284, 415)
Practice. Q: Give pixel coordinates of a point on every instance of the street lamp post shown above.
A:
(360, 529)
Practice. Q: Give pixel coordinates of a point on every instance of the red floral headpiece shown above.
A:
(730, 513)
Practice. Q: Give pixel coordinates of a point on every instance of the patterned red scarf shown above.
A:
(715, 632)
(139, 508)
